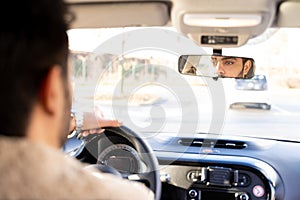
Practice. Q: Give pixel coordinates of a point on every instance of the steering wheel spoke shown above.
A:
(145, 178)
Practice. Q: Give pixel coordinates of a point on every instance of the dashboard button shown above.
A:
(193, 193)
(193, 176)
(258, 191)
(243, 196)
(243, 180)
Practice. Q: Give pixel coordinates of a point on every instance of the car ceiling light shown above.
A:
(222, 20)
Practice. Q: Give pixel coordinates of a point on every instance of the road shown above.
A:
(282, 121)
(184, 113)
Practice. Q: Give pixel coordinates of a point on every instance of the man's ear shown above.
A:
(247, 67)
(50, 91)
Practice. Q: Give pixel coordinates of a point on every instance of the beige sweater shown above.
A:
(32, 171)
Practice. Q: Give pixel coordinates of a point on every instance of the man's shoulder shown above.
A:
(48, 173)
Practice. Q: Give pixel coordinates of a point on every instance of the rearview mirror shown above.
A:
(216, 66)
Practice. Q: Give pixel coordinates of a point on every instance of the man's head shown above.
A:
(234, 67)
(33, 67)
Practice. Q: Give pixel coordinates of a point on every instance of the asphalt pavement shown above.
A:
(175, 112)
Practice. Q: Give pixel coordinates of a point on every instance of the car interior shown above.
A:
(185, 162)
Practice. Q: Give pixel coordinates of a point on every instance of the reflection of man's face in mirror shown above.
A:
(190, 70)
(231, 66)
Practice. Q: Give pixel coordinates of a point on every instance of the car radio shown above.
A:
(213, 182)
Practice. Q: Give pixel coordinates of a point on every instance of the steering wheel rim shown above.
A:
(146, 154)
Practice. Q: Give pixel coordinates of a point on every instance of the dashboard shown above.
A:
(197, 168)
(208, 169)
(216, 179)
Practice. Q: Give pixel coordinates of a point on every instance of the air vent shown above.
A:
(225, 144)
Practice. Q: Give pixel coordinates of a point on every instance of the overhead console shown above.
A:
(218, 26)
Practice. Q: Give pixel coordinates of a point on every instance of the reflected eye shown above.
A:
(229, 63)
(214, 63)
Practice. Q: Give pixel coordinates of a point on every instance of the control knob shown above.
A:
(193, 193)
(243, 196)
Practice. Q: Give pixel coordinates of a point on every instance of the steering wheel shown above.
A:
(146, 154)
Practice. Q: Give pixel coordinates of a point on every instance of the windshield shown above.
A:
(130, 74)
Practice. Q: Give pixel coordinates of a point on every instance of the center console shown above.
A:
(248, 180)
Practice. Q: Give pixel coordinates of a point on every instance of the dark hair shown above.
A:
(32, 39)
(251, 72)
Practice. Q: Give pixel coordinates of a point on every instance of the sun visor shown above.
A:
(222, 24)
(119, 14)
(289, 14)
